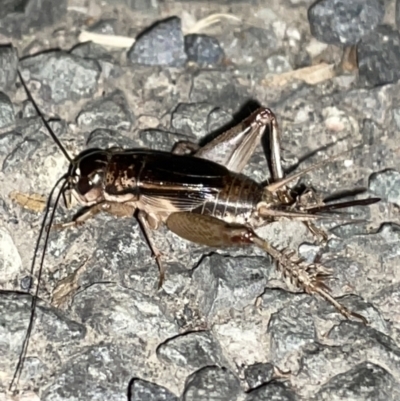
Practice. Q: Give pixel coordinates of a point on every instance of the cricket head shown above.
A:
(86, 177)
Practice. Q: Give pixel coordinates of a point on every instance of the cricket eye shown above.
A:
(96, 179)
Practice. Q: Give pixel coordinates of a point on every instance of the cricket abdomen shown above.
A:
(236, 202)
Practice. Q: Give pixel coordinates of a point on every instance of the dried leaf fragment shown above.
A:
(312, 75)
(33, 202)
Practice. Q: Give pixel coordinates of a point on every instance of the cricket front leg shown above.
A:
(114, 208)
(210, 231)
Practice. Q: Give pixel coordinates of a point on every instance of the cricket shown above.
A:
(201, 195)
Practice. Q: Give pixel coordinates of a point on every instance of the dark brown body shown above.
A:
(161, 183)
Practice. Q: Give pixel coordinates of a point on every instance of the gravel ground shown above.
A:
(225, 326)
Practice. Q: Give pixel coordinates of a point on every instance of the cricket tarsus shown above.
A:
(202, 197)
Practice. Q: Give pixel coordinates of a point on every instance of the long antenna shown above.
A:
(46, 124)
(43, 229)
(25, 344)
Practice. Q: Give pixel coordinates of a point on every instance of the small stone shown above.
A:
(103, 138)
(366, 381)
(191, 119)
(8, 66)
(144, 390)
(271, 392)
(7, 117)
(191, 351)
(50, 327)
(386, 184)
(10, 260)
(161, 140)
(62, 76)
(258, 374)
(225, 283)
(109, 112)
(94, 51)
(21, 143)
(220, 89)
(344, 21)
(161, 44)
(309, 252)
(19, 17)
(379, 56)
(278, 64)
(26, 283)
(109, 309)
(101, 372)
(251, 45)
(368, 342)
(212, 383)
(203, 50)
(291, 328)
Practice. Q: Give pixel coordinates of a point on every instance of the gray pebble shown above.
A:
(291, 328)
(224, 283)
(191, 351)
(118, 312)
(386, 184)
(203, 50)
(344, 21)
(22, 16)
(258, 374)
(103, 138)
(102, 371)
(62, 76)
(7, 117)
(161, 44)
(211, 383)
(218, 88)
(379, 57)
(191, 119)
(366, 381)
(161, 140)
(109, 112)
(272, 392)
(145, 391)
(8, 66)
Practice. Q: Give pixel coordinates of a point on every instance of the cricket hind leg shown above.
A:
(210, 231)
(234, 147)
